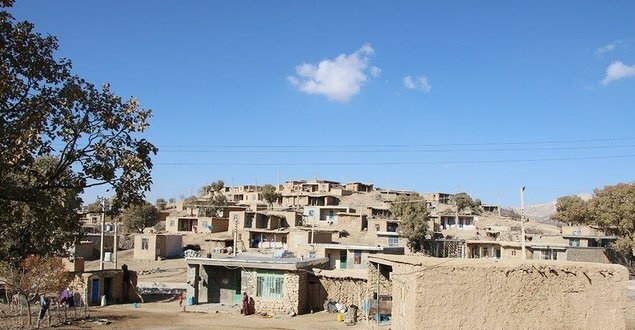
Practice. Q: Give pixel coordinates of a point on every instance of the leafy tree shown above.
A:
(33, 276)
(98, 207)
(414, 216)
(214, 187)
(161, 203)
(217, 186)
(172, 200)
(269, 194)
(572, 210)
(139, 216)
(464, 201)
(613, 208)
(208, 207)
(91, 134)
(43, 226)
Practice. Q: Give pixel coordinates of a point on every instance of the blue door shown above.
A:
(94, 297)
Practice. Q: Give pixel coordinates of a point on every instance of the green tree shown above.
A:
(139, 216)
(464, 201)
(91, 134)
(214, 187)
(571, 210)
(414, 216)
(161, 203)
(269, 194)
(47, 224)
(207, 207)
(613, 208)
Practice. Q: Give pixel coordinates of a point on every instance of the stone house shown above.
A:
(277, 285)
(155, 246)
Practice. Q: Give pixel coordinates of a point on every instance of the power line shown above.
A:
(404, 150)
(401, 145)
(400, 163)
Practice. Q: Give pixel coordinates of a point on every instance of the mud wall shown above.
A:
(347, 291)
(486, 294)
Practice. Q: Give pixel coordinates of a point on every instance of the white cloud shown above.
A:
(606, 49)
(375, 71)
(618, 70)
(338, 79)
(419, 83)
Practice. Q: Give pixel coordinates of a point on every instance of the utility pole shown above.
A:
(103, 228)
(236, 231)
(500, 205)
(116, 243)
(522, 221)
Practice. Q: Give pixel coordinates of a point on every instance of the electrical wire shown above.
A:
(402, 145)
(402, 150)
(495, 161)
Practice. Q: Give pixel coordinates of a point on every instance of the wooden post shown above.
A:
(378, 274)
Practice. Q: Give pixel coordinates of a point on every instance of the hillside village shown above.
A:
(315, 241)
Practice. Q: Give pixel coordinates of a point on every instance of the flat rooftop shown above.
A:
(257, 262)
(456, 263)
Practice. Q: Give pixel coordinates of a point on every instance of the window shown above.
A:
(358, 258)
(393, 241)
(145, 243)
(513, 252)
(574, 242)
(269, 285)
(204, 223)
(549, 255)
(171, 223)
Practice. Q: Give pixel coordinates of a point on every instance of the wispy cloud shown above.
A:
(600, 52)
(606, 49)
(338, 79)
(616, 71)
(419, 83)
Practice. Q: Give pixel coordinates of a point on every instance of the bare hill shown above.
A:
(543, 212)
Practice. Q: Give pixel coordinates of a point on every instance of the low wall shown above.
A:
(486, 294)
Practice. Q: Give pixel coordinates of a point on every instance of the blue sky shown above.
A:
(406, 95)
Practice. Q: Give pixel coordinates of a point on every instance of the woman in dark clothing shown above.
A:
(246, 310)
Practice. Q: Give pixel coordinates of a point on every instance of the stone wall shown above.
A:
(587, 255)
(488, 294)
(294, 293)
(385, 283)
(347, 291)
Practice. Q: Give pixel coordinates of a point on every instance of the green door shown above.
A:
(343, 259)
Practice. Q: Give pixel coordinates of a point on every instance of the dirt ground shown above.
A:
(168, 315)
